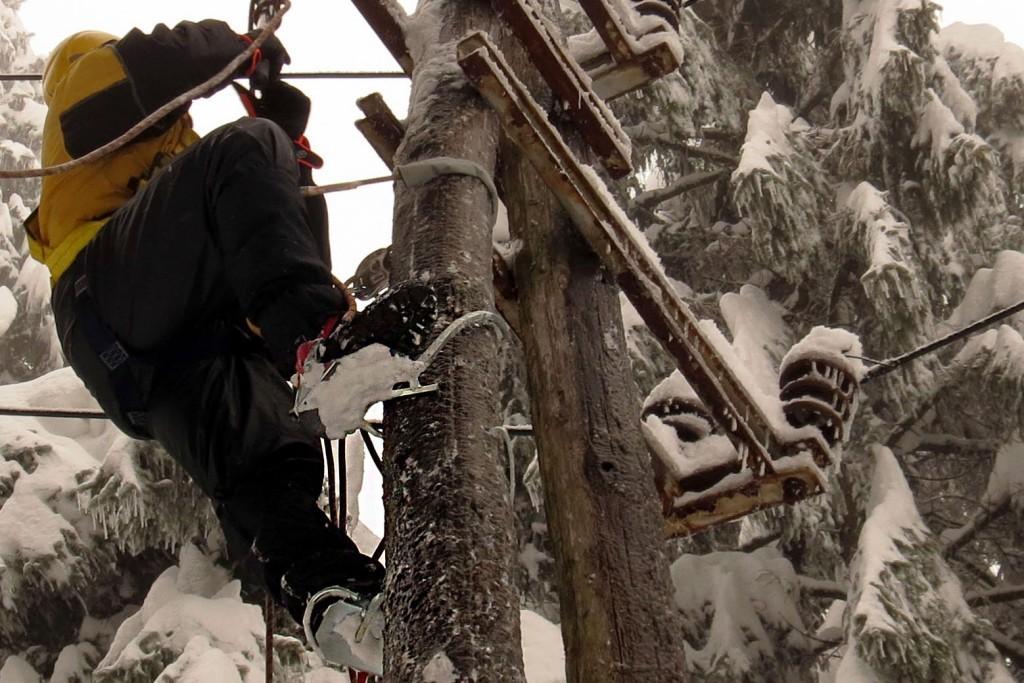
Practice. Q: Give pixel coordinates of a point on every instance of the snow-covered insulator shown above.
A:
(679, 430)
(663, 9)
(686, 414)
(819, 389)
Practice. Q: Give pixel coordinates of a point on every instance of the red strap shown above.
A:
(257, 57)
(246, 97)
(307, 157)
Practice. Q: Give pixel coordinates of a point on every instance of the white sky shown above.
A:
(332, 36)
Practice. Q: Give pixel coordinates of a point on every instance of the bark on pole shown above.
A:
(452, 606)
(619, 622)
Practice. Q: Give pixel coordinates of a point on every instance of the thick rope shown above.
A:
(202, 89)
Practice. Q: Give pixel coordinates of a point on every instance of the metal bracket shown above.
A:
(635, 60)
(417, 173)
(616, 241)
(570, 84)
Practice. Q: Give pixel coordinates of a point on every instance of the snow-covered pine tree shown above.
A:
(848, 164)
(28, 342)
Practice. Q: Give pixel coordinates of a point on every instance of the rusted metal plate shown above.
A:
(769, 490)
(610, 234)
(570, 84)
(634, 60)
(386, 18)
(381, 127)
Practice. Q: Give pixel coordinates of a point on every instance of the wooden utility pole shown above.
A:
(619, 622)
(452, 606)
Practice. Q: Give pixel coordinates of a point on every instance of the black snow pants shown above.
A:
(217, 236)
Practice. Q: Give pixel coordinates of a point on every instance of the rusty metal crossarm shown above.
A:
(570, 84)
(608, 231)
(636, 64)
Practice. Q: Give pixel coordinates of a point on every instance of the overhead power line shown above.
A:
(886, 366)
(291, 75)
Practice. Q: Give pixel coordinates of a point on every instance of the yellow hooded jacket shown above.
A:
(96, 87)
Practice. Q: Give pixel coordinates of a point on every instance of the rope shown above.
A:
(136, 130)
(886, 366)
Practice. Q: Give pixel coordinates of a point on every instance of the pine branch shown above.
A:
(1007, 593)
(646, 134)
(1009, 648)
(948, 443)
(649, 200)
(723, 134)
(957, 538)
(980, 574)
(819, 588)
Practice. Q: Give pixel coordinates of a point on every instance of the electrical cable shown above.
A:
(886, 366)
(285, 76)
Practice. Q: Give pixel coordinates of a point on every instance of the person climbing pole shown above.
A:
(189, 273)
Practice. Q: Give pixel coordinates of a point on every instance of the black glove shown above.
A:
(273, 57)
(288, 107)
(285, 105)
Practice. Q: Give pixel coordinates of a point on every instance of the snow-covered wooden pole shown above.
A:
(619, 623)
(452, 606)
(618, 618)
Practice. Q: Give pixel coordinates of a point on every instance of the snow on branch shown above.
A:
(908, 619)
(961, 176)
(193, 625)
(779, 187)
(820, 588)
(879, 237)
(990, 368)
(992, 71)
(1005, 491)
(141, 498)
(990, 290)
(741, 611)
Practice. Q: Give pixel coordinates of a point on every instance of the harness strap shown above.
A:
(113, 355)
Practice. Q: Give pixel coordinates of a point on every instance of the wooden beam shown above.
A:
(381, 127)
(387, 19)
